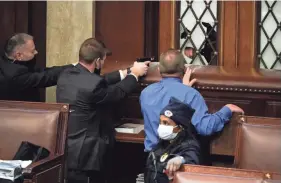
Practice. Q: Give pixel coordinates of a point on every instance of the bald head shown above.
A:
(172, 62)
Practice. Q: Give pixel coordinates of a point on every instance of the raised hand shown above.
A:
(186, 78)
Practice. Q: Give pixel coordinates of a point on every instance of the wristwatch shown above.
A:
(128, 70)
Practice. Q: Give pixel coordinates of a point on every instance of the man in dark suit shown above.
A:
(90, 128)
(19, 79)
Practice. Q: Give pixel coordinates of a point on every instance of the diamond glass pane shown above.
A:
(270, 35)
(198, 32)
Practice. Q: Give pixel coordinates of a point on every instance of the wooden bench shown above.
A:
(259, 144)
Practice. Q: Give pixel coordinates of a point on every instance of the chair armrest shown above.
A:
(43, 164)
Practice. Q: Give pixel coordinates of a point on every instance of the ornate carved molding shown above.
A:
(229, 88)
(214, 78)
(236, 89)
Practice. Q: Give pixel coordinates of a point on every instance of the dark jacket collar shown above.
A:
(81, 67)
(29, 64)
(5, 58)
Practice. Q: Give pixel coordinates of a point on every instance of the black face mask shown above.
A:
(97, 71)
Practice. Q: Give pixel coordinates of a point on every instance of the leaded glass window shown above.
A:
(198, 31)
(269, 55)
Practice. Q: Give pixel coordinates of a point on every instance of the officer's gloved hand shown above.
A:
(173, 165)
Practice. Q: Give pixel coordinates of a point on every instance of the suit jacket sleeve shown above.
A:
(113, 77)
(105, 93)
(53, 68)
(44, 78)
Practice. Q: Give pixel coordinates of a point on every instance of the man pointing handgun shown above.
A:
(90, 128)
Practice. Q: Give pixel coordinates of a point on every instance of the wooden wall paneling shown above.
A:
(214, 104)
(151, 29)
(37, 13)
(260, 104)
(7, 22)
(129, 108)
(227, 35)
(120, 25)
(273, 108)
(223, 143)
(13, 19)
(238, 36)
(168, 25)
(247, 36)
(21, 16)
(251, 104)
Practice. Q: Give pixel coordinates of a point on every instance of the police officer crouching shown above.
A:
(177, 146)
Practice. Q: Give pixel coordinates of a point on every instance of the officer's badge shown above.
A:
(164, 157)
(168, 113)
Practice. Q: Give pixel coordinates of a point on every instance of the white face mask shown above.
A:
(165, 132)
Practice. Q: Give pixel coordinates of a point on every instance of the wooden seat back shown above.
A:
(259, 144)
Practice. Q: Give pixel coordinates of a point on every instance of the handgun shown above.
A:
(143, 59)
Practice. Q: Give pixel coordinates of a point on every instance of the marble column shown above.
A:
(69, 23)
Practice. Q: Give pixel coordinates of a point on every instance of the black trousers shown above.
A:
(80, 176)
(159, 177)
(76, 176)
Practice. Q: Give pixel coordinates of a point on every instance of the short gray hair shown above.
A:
(18, 39)
(171, 62)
